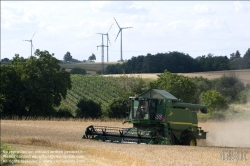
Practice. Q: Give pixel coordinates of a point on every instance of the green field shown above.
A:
(91, 87)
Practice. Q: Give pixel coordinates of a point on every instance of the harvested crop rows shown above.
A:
(223, 138)
(87, 87)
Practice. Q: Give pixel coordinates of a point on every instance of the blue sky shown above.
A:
(195, 28)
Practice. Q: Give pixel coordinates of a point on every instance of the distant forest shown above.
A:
(177, 62)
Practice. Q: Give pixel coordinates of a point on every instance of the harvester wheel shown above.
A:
(172, 140)
(189, 140)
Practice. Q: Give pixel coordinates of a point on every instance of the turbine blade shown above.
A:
(117, 34)
(33, 47)
(108, 39)
(33, 36)
(127, 27)
(110, 28)
(117, 23)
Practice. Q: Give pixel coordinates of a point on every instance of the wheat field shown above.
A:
(224, 138)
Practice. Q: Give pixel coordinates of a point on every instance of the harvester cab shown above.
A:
(158, 117)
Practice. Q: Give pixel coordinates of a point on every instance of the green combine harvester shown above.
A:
(158, 117)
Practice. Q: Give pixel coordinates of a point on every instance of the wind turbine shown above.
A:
(31, 42)
(121, 36)
(108, 41)
(107, 34)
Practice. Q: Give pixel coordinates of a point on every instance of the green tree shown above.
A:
(229, 86)
(5, 60)
(213, 63)
(213, 100)
(202, 85)
(116, 109)
(92, 57)
(232, 56)
(78, 70)
(236, 64)
(246, 59)
(130, 86)
(88, 109)
(175, 62)
(2, 100)
(38, 84)
(114, 69)
(12, 92)
(237, 54)
(180, 86)
(63, 113)
(67, 57)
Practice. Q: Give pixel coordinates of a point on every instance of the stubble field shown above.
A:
(227, 144)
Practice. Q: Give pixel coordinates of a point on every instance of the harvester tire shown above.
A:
(189, 140)
(173, 140)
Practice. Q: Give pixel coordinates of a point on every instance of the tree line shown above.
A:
(177, 62)
(66, 58)
(69, 58)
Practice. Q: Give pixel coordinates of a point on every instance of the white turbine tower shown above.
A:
(102, 52)
(121, 36)
(31, 42)
(107, 34)
(108, 41)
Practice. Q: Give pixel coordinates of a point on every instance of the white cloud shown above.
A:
(219, 24)
(96, 6)
(10, 18)
(93, 27)
(203, 9)
(178, 24)
(135, 5)
(202, 23)
(136, 17)
(152, 25)
(209, 24)
(237, 6)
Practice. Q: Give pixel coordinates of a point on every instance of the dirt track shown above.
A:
(224, 138)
